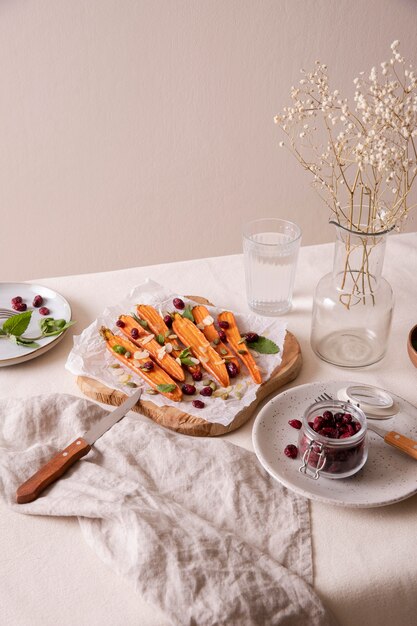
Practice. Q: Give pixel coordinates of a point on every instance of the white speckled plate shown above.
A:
(12, 354)
(387, 477)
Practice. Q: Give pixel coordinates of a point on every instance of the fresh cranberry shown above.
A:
(20, 306)
(295, 424)
(331, 433)
(134, 333)
(197, 375)
(328, 415)
(357, 426)
(291, 451)
(206, 391)
(168, 321)
(347, 418)
(318, 422)
(222, 335)
(224, 325)
(44, 310)
(189, 390)
(338, 417)
(232, 369)
(120, 323)
(198, 404)
(17, 300)
(251, 337)
(37, 301)
(311, 425)
(147, 366)
(178, 303)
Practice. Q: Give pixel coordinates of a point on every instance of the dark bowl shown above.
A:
(412, 345)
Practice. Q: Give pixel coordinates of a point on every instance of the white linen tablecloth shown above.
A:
(365, 561)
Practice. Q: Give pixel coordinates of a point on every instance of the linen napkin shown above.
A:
(197, 525)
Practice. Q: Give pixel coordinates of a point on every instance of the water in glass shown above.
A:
(270, 251)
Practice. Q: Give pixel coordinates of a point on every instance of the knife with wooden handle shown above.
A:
(403, 443)
(61, 462)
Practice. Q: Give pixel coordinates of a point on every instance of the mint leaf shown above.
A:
(138, 320)
(17, 324)
(187, 313)
(264, 346)
(185, 357)
(166, 388)
(50, 326)
(21, 341)
(2, 333)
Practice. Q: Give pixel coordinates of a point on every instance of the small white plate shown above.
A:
(387, 477)
(12, 354)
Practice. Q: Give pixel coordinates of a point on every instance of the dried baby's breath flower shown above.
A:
(363, 159)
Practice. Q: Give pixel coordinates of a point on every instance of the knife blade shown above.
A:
(403, 443)
(61, 462)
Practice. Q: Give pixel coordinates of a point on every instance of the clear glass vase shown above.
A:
(353, 305)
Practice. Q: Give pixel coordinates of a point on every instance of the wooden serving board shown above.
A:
(175, 419)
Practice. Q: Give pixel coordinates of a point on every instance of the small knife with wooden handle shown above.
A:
(61, 462)
(403, 443)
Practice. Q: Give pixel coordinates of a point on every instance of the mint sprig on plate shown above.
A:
(14, 327)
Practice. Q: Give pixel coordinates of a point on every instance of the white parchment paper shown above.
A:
(89, 356)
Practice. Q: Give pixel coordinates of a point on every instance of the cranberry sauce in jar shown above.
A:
(332, 440)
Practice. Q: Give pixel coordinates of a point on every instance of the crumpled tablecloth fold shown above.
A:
(197, 525)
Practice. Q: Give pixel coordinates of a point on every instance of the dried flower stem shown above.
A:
(363, 160)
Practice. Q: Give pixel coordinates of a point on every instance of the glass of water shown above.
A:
(270, 249)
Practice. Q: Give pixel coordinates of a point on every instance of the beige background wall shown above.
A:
(141, 131)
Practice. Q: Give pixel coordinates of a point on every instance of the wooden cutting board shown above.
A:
(174, 419)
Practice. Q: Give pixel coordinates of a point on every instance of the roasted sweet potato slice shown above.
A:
(118, 346)
(200, 313)
(201, 349)
(237, 343)
(158, 327)
(145, 341)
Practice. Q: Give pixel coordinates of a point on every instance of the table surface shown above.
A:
(365, 560)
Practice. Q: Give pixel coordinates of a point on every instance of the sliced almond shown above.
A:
(147, 339)
(140, 354)
(178, 360)
(169, 348)
(200, 326)
(172, 336)
(195, 361)
(208, 321)
(161, 352)
(222, 391)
